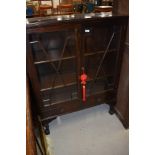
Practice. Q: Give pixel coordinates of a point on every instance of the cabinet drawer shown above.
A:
(75, 105)
(61, 108)
(51, 112)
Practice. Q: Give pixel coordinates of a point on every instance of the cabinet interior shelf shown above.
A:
(54, 60)
(64, 97)
(98, 52)
(39, 61)
(46, 82)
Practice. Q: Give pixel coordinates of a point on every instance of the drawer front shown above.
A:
(76, 105)
(61, 108)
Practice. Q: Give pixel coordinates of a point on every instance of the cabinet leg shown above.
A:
(111, 110)
(46, 129)
(45, 125)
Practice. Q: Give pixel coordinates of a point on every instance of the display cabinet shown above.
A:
(59, 52)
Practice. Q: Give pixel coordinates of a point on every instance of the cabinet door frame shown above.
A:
(31, 68)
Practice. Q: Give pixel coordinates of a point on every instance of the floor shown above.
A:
(88, 132)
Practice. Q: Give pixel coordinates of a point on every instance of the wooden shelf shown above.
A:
(69, 93)
(98, 52)
(53, 60)
(98, 87)
(53, 55)
(47, 80)
(40, 57)
(92, 72)
(53, 50)
(59, 95)
(69, 78)
(67, 75)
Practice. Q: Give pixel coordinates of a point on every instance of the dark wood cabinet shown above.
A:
(59, 51)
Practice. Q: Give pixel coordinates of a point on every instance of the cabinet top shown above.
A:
(74, 18)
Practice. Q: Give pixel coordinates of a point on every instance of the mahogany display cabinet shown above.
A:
(62, 48)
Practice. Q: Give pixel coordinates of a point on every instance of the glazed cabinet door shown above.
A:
(100, 59)
(55, 57)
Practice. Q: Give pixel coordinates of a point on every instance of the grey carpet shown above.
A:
(89, 132)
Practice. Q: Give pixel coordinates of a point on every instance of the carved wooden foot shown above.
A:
(45, 125)
(46, 129)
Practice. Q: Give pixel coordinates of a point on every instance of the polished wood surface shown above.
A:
(122, 106)
(30, 139)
